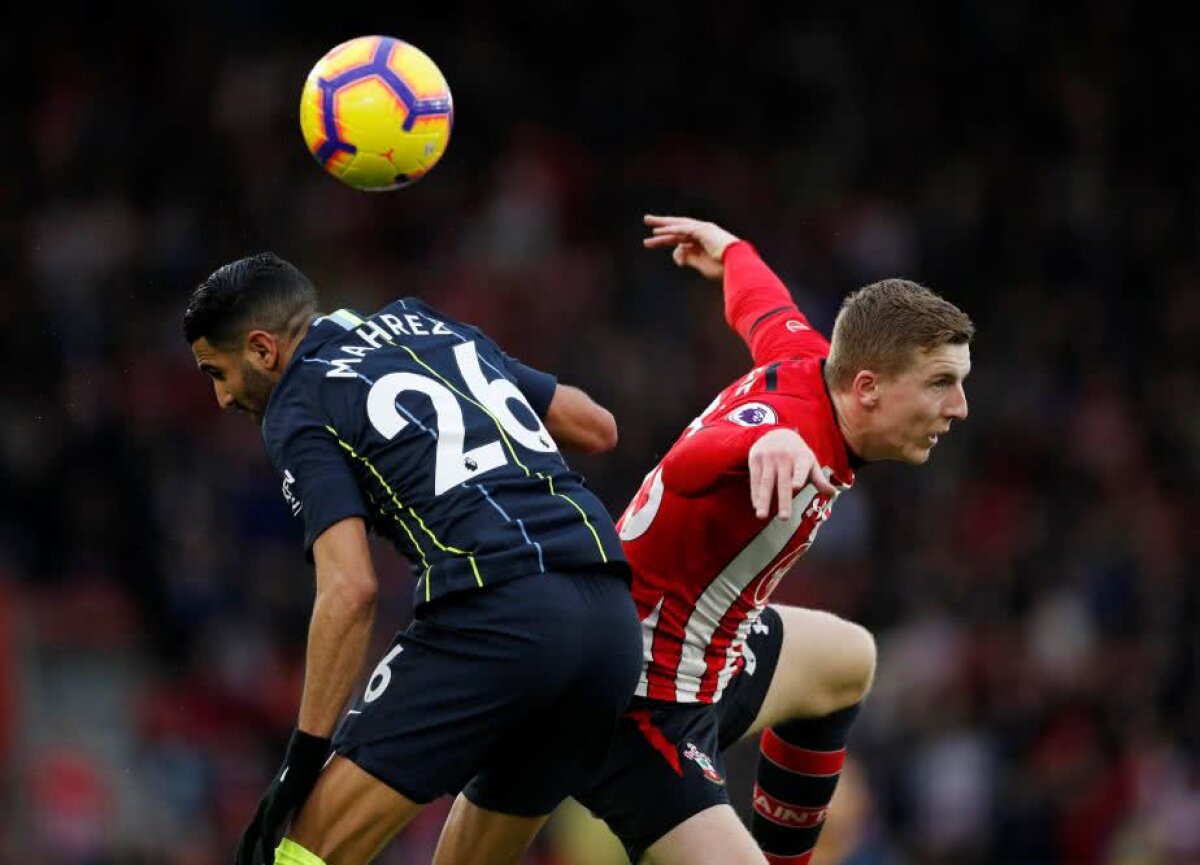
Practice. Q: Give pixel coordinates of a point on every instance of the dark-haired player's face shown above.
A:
(917, 405)
(237, 380)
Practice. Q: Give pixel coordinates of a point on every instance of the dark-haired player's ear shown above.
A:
(263, 346)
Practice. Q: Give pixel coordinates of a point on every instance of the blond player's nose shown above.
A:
(957, 407)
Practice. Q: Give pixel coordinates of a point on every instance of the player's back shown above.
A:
(452, 460)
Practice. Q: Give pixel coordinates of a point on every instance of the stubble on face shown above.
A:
(256, 391)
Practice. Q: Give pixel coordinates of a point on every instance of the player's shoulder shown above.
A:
(781, 380)
(802, 377)
(415, 316)
(291, 408)
(414, 304)
(787, 392)
(422, 308)
(801, 388)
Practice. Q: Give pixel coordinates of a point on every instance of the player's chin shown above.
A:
(917, 455)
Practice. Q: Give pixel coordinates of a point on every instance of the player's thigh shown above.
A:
(715, 836)
(350, 815)
(825, 663)
(473, 835)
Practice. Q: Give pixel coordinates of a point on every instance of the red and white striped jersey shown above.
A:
(704, 565)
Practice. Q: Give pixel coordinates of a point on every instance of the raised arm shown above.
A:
(758, 306)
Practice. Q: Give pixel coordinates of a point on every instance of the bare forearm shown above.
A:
(338, 636)
(579, 423)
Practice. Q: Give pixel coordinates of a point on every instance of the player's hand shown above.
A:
(293, 782)
(699, 245)
(781, 462)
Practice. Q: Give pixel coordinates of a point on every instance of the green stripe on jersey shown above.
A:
(445, 548)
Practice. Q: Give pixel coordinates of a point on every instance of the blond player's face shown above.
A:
(916, 406)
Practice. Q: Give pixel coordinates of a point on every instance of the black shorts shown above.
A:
(667, 763)
(509, 694)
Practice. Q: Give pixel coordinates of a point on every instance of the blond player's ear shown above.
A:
(865, 388)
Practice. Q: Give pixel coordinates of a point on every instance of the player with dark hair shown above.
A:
(524, 638)
(735, 502)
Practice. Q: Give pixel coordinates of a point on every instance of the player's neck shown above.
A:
(288, 347)
(852, 424)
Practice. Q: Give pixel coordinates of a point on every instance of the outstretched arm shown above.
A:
(698, 245)
(776, 460)
(758, 306)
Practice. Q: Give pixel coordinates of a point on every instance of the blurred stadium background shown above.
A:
(1032, 589)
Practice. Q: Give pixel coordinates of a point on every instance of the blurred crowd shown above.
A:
(1038, 694)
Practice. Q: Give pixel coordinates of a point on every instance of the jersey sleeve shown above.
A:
(537, 386)
(708, 455)
(760, 308)
(318, 484)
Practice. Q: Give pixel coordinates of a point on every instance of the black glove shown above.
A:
(293, 782)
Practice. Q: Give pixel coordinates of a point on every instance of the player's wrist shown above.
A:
(735, 244)
(755, 435)
(303, 739)
(306, 752)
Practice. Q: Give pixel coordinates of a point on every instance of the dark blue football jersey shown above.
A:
(425, 428)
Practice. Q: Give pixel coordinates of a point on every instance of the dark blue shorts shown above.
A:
(667, 764)
(509, 694)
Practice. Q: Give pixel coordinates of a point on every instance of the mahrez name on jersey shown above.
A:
(374, 335)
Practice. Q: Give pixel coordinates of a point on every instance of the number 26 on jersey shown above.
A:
(453, 463)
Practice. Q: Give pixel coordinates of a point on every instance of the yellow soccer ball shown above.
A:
(376, 113)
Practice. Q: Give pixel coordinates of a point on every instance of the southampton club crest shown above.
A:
(691, 752)
(753, 414)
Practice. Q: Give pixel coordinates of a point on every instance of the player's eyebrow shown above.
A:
(949, 375)
(211, 371)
